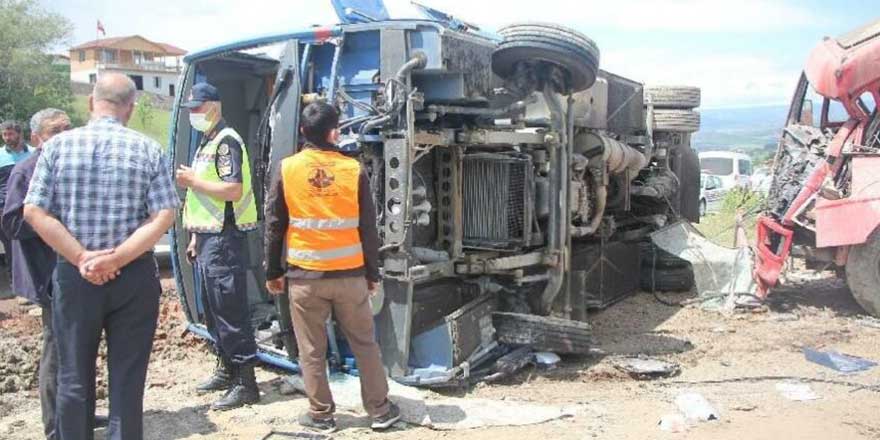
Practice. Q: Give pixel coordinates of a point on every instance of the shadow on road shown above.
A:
(172, 425)
(823, 293)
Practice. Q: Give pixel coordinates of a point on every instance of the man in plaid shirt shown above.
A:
(101, 197)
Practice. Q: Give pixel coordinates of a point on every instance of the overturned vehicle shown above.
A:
(515, 181)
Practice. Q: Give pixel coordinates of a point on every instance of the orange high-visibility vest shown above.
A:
(321, 193)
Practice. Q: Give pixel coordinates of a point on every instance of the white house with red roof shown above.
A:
(154, 67)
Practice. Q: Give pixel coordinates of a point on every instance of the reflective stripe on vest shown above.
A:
(321, 193)
(203, 213)
(325, 223)
(327, 254)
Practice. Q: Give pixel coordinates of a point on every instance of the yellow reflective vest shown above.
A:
(203, 213)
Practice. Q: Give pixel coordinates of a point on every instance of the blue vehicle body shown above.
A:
(354, 69)
(483, 196)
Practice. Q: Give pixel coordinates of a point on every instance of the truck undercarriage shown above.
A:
(514, 180)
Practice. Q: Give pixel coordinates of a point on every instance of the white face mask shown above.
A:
(199, 122)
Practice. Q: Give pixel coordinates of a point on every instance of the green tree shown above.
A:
(28, 82)
(145, 111)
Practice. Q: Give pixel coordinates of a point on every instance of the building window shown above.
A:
(93, 78)
(108, 56)
(82, 56)
(157, 82)
(138, 57)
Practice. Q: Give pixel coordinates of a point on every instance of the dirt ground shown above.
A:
(734, 361)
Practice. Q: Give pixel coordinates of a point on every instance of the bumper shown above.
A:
(774, 245)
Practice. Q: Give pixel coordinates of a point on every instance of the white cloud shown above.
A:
(732, 79)
(630, 15)
(727, 79)
(198, 23)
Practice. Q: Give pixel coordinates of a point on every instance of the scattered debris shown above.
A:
(798, 392)
(512, 362)
(695, 407)
(543, 332)
(744, 407)
(420, 407)
(297, 434)
(673, 423)
(722, 329)
(722, 274)
(869, 321)
(546, 359)
(837, 361)
(36, 312)
(646, 368)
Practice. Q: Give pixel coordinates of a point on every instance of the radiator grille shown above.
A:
(496, 193)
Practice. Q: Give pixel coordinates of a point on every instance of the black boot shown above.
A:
(243, 392)
(221, 379)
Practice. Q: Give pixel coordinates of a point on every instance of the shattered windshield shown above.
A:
(718, 166)
(813, 106)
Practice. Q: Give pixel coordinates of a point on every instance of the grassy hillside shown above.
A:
(720, 226)
(739, 128)
(156, 128)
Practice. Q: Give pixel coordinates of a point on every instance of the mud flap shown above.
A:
(721, 273)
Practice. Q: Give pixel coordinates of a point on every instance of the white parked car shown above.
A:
(734, 169)
(711, 193)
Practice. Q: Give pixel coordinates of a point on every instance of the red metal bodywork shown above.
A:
(843, 74)
(769, 262)
(851, 220)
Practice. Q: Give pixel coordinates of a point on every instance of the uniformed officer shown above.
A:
(219, 210)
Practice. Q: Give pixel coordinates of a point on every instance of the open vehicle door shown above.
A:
(260, 96)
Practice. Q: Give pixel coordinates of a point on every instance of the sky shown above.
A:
(740, 52)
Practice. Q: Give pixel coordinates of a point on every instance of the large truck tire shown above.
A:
(673, 97)
(689, 185)
(686, 121)
(559, 33)
(863, 274)
(543, 333)
(679, 279)
(569, 49)
(652, 256)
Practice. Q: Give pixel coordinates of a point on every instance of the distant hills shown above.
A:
(743, 128)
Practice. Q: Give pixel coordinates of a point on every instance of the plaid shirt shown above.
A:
(102, 181)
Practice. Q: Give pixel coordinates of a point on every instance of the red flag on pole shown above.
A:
(101, 28)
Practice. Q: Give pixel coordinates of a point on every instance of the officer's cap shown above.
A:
(201, 93)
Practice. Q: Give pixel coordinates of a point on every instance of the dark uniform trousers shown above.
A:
(48, 375)
(220, 260)
(126, 309)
